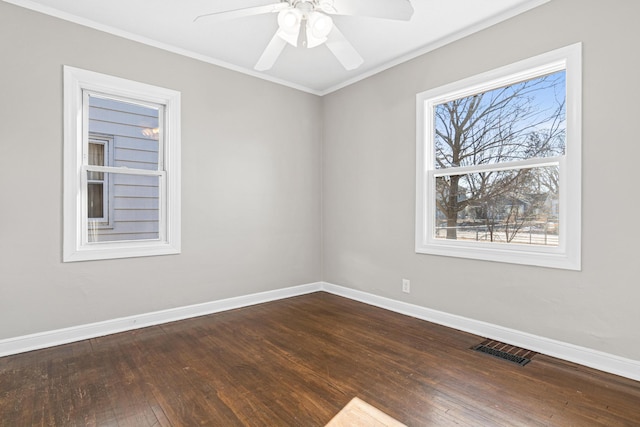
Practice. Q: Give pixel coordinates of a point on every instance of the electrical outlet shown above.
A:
(406, 286)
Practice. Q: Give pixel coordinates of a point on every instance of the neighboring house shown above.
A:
(122, 207)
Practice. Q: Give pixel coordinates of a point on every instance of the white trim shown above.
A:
(496, 19)
(521, 8)
(92, 330)
(75, 243)
(567, 255)
(32, 5)
(584, 356)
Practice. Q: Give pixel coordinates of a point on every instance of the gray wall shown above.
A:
(369, 185)
(252, 189)
(250, 182)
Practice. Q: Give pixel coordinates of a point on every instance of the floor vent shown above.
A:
(504, 351)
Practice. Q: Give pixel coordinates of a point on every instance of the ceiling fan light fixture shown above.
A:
(318, 28)
(307, 23)
(288, 19)
(289, 23)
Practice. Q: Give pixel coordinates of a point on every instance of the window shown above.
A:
(122, 168)
(498, 164)
(98, 189)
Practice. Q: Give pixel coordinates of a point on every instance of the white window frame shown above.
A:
(567, 255)
(76, 247)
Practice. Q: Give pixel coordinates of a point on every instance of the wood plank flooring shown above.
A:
(298, 362)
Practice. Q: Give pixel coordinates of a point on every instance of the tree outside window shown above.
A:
(522, 121)
(498, 164)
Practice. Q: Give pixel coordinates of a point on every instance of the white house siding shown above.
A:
(131, 201)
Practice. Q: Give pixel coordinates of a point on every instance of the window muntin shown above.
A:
(122, 150)
(498, 170)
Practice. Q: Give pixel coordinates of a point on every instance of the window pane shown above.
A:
(521, 121)
(96, 157)
(134, 127)
(95, 197)
(135, 205)
(513, 206)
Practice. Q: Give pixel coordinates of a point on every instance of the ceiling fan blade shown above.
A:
(271, 53)
(343, 50)
(247, 11)
(388, 9)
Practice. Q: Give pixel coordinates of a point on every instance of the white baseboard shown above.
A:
(92, 330)
(584, 356)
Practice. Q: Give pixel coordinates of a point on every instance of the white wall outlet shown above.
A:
(406, 286)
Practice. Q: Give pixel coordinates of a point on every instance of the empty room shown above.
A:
(319, 212)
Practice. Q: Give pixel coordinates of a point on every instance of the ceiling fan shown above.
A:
(307, 24)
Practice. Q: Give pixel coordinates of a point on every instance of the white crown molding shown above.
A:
(584, 356)
(521, 8)
(479, 26)
(37, 7)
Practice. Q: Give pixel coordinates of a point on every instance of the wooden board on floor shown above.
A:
(359, 413)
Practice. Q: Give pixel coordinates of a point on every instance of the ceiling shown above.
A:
(237, 44)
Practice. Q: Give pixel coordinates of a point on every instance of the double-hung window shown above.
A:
(122, 168)
(498, 164)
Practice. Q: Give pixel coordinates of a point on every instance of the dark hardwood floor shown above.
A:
(297, 362)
